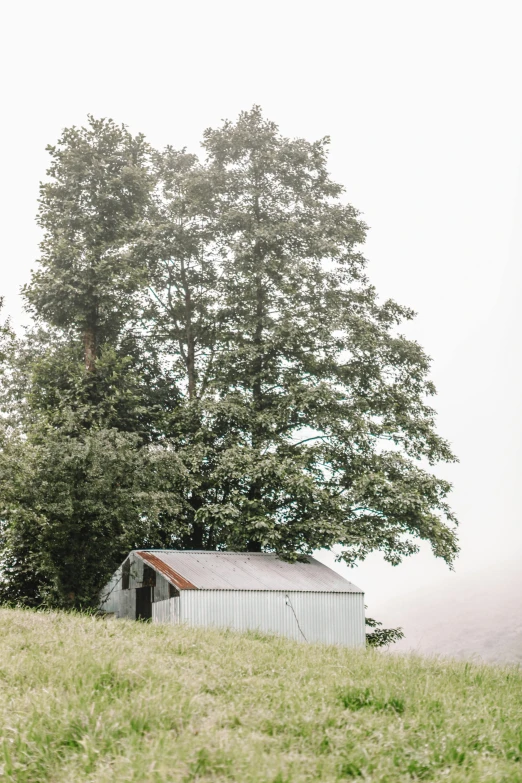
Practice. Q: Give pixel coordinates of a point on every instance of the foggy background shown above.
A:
(423, 106)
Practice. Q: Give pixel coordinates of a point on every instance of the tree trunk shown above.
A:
(196, 538)
(89, 348)
(255, 493)
(198, 530)
(191, 357)
(259, 318)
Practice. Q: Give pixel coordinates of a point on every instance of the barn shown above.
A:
(304, 600)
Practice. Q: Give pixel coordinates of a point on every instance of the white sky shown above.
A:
(423, 105)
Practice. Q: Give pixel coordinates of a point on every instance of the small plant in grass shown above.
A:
(382, 637)
(359, 698)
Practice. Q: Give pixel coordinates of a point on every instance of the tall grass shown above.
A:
(85, 699)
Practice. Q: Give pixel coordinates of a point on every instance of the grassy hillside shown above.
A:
(103, 700)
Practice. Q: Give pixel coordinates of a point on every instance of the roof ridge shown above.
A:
(211, 552)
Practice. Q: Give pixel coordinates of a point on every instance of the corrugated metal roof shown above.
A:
(244, 571)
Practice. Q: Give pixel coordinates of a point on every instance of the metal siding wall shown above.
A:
(166, 611)
(112, 591)
(136, 572)
(331, 618)
(121, 602)
(128, 604)
(161, 591)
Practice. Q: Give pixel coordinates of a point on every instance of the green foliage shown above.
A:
(88, 699)
(74, 505)
(82, 479)
(6, 336)
(303, 413)
(358, 698)
(97, 189)
(7, 352)
(382, 637)
(213, 316)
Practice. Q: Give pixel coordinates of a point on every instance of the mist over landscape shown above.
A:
(474, 617)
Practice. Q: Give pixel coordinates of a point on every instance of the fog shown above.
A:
(422, 103)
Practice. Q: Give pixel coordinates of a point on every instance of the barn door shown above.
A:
(144, 603)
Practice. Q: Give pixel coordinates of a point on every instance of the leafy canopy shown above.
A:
(303, 412)
(212, 367)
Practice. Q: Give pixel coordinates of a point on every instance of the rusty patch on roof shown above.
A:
(173, 576)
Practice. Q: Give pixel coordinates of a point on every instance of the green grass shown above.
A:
(86, 699)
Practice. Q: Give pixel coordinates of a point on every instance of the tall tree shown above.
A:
(78, 485)
(183, 319)
(86, 293)
(90, 206)
(309, 420)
